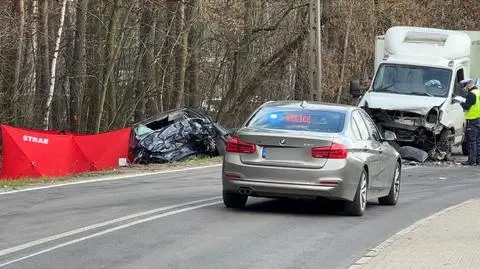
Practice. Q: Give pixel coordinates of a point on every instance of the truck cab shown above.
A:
(416, 85)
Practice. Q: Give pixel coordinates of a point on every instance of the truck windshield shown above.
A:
(412, 80)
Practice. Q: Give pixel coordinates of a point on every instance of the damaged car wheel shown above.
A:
(446, 144)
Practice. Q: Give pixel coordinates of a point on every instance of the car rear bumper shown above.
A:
(269, 189)
(333, 182)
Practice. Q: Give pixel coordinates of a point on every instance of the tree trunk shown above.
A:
(193, 69)
(302, 86)
(19, 62)
(48, 106)
(43, 68)
(166, 86)
(79, 67)
(110, 52)
(240, 55)
(113, 50)
(32, 63)
(345, 53)
(144, 75)
(181, 67)
(95, 60)
(152, 105)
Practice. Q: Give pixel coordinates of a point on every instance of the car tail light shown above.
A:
(235, 145)
(334, 151)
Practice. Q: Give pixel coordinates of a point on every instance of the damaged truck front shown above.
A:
(416, 85)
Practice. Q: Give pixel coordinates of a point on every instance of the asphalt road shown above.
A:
(177, 220)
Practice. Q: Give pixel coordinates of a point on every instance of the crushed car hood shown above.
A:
(409, 103)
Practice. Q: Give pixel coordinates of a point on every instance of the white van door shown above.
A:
(453, 114)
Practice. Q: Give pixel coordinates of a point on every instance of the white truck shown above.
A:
(416, 86)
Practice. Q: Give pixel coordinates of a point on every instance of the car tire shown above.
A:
(221, 147)
(392, 197)
(234, 200)
(359, 203)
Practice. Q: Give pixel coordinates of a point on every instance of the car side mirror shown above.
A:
(389, 136)
(356, 90)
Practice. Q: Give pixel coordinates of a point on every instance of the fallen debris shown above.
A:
(414, 154)
(177, 135)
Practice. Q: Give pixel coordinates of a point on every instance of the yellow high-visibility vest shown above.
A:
(474, 111)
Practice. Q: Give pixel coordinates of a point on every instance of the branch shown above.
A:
(265, 70)
(282, 18)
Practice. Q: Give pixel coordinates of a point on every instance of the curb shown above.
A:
(364, 260)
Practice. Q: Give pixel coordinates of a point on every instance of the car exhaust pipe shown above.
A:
(245, 191)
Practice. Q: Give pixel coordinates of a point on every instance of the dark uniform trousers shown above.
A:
(473, 133)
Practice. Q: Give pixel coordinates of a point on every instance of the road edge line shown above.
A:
(110, 178)
(364, 260)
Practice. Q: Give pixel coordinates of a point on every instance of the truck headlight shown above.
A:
(433, 115)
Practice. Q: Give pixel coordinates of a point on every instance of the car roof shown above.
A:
(311, 105)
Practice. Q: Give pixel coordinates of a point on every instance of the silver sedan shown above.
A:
(300, 149)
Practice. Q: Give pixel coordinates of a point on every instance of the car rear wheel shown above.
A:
(234, 200)
(359, 203)
(392, 197)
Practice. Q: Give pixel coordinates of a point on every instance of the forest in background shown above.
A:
(98, 65)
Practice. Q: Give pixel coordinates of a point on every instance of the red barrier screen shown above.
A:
(31, 153)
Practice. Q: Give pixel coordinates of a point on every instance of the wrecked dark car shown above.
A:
(177, 135)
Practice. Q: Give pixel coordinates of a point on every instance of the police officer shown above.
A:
(472, 117)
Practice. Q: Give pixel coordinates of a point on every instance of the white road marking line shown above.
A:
(109, 231)
(110, 178)
(4, 252)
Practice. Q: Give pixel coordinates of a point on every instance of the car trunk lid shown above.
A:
(285, 149)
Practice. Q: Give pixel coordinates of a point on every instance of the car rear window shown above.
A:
(310, 120)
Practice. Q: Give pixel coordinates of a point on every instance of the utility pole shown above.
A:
(315, 51)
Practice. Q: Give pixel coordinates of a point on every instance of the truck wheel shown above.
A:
(446, 143)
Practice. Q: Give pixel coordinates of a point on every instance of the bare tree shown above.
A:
(79, 66)
(121, 61)
(48, 106)
(20, 55)
(146, 81)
